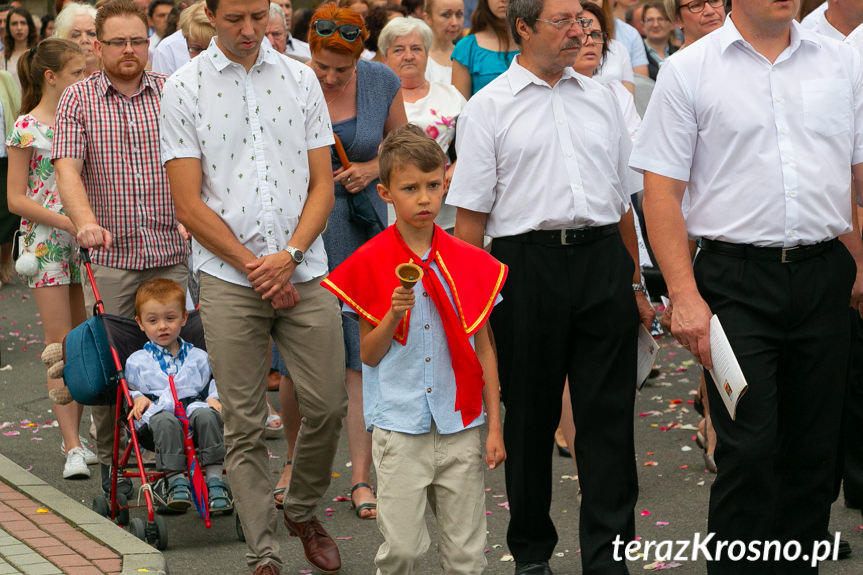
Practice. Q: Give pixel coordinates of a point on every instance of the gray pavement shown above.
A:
(672, 505)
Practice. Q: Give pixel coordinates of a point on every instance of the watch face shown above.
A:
(299, 256)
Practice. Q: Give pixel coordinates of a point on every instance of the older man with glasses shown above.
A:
(557, 207)
(279, 34)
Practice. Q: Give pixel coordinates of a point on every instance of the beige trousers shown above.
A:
(117, 289)
(445, 471)
(238, 325)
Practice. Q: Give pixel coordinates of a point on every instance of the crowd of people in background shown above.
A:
(123, 139)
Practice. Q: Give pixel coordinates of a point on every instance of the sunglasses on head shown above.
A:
(326, 28)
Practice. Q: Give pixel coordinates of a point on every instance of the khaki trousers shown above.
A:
(445, 471)
(117, 289)
(238, 325)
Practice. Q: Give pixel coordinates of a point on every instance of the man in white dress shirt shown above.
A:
(279, 35)
(542, 170)
(762, 121)
(839, 19)
(245, 140)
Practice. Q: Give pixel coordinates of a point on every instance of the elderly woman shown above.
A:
(77, 22)
(365, 103)
(696, 18)
(433, 106)
(445, 18)
(196, 28)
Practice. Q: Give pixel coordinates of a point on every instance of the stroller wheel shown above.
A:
(136, 528)
(122, 509)
(157, 533)
(100, 505)
(240, 535)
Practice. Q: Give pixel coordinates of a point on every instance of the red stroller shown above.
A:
(95, 353)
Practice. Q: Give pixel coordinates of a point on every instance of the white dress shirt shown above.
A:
(536, 157)
(817, 22)
(252, 133)
(616, 65)
(297, 47)
(766, 149)
(171, 53)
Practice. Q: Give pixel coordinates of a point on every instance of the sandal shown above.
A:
(179, 495)
(220, 496)
(364, 506)
(279, 493)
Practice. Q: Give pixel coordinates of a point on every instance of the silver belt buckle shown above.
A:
(563, 240)
(785, 252)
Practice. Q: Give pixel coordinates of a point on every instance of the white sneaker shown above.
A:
(76, 465)
(89, 456)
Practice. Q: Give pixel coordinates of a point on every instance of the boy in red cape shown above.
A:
(428, 365)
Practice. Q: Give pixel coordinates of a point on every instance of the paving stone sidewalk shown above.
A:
(43, 532)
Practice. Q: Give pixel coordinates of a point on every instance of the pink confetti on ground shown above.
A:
(341, 498)
(330, 510)
(488, 512)
(661, 523)
(11, 433)
(681, 368)
(505, 505)
(645, 514)
(684, 467)
(344, 538)
(651, 463)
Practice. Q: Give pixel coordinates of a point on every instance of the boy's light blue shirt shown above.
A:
(414, 383)
(146, 375)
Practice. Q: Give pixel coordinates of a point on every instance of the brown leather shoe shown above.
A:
(267, 569)
(320, 549)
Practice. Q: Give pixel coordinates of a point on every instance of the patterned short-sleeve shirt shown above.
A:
(117, 137)
(252, 132)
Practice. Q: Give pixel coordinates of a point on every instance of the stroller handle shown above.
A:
(98, 307)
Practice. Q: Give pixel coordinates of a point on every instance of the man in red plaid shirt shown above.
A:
(111, 181)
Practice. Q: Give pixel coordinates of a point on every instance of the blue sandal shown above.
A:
(179, 495)
(221, 499)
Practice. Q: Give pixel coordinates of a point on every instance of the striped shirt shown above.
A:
(117, 137)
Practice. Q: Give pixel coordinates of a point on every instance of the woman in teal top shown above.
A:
(486, 53)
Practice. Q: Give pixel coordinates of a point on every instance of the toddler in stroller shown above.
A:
(160, 313)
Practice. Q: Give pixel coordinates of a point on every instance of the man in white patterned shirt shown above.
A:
(245, 141)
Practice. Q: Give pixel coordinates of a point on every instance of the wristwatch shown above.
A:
(297, 255)
(639, 287)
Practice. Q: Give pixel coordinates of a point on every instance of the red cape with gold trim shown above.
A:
(366, 280)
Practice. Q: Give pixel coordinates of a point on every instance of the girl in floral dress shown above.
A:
(47, 235)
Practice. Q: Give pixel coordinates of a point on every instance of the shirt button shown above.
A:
(428, 359)
(426, 326)
(428, 390)
(425, 294)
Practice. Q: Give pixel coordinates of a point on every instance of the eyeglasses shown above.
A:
(595, 37)
(697, 6)
(569, 23)
(326, 28)
(194, 49)
(123, 42)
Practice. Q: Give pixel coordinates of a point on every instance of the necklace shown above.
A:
(344, 87)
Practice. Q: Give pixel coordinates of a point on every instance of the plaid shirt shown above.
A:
(118, 139)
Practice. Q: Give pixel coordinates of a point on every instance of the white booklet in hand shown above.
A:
(647, 350)
(726, 372)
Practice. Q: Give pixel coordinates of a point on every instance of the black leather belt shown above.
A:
(564, 237)
(782, 255)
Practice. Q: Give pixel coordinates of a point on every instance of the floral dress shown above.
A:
(56, 250)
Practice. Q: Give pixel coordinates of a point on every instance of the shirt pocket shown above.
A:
(827, 106)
